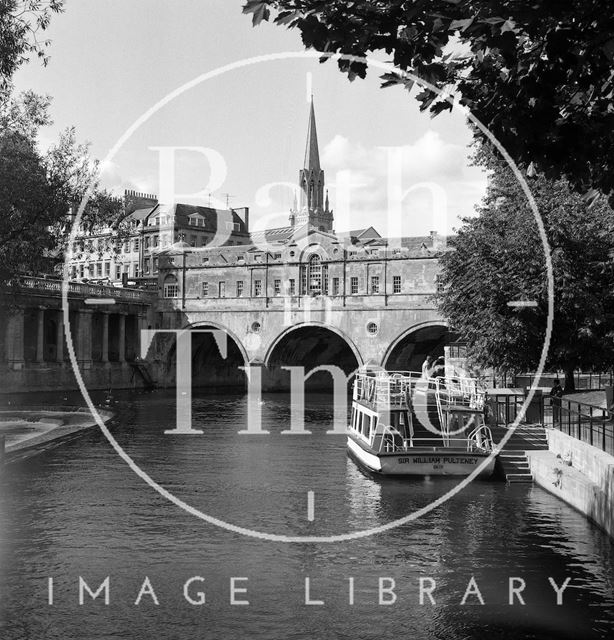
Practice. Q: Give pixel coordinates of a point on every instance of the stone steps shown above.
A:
(524, 438)
(514, 466)
(512, 462)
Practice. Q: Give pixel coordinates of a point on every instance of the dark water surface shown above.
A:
(79, 510)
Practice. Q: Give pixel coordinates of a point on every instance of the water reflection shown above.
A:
(78, 510)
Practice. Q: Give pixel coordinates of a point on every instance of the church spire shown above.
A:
(312, 208)
(312, 155)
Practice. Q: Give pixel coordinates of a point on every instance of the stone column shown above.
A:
(84, 338)
(59, 336)
(121, 342)
(14, 339)
(105, 337)
(40, 335)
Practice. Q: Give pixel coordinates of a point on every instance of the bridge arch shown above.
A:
(321, 325)
(410, 348)
(207, 324)
(209, 368)
(310, 344)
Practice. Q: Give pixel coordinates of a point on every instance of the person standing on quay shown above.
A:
(556, 393)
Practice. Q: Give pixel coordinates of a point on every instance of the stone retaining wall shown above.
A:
(582, 476)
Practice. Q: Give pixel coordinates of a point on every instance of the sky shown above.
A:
(242, 132)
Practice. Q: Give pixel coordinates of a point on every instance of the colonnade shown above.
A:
(36, 335)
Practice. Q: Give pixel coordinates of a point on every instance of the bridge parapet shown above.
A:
(79, 289)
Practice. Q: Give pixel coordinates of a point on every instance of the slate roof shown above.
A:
(182, 212)
(359, 233)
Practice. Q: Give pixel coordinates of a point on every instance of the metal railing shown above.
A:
(582, 380)
(385, 388)
(585, 422)
(394, 443)
(480, 438)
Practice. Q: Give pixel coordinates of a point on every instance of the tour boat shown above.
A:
(406, 424)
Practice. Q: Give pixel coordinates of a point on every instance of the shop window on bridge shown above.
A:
(171, 288)
(205, 289)
(292, 286)
(239, 288)
(277, 287)
(257, 287)
(354, 285)
(222, 289)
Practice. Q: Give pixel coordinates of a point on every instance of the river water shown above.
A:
(80, 511)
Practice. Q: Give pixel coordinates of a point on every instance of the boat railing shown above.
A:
(387, 388)
(393, 389)
(393, 441)
(390, 445)
(480, 438)
(458, 391)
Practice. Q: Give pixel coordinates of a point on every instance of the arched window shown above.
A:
(314, 274)
(171, 288)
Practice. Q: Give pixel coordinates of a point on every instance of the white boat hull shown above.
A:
(422, 461)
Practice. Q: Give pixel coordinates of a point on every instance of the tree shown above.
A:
(498, 257)
(538, 74)
(29, 206)
(25, 113)
(21, 25)
(72, 172)
(39, 191)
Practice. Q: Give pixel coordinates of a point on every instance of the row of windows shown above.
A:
(198, 221)
(103, 269)
(149, 242)
(208, 288)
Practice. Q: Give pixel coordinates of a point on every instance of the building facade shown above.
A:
(108, 256)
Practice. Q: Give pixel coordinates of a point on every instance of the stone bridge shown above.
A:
(384, 315)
